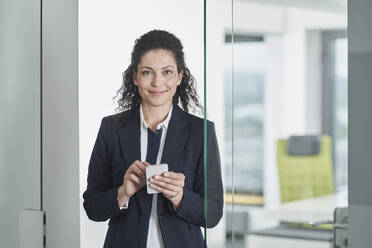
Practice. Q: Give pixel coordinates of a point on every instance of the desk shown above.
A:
(305, 210)
(301, 211)
(311, 209)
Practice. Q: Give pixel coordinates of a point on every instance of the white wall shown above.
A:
(295, 62)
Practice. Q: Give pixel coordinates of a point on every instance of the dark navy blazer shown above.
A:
(118, 145)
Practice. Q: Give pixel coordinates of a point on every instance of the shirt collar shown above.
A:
(163, 124)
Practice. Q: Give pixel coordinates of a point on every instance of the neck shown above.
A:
(154, 115)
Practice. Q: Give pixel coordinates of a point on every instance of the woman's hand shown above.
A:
(134, 180)
(171, 185)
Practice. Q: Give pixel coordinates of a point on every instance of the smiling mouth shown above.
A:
(157, 93)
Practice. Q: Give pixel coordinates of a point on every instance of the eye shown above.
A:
(168, 72)
(145, 73)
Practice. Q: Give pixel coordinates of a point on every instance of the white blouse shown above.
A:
(154, 239)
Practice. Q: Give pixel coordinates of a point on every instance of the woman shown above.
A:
(153, 129)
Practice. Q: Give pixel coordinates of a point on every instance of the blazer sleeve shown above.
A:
(192, 205)
(100, 197)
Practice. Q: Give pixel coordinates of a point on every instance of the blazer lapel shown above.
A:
(175, 140)
(129, 138)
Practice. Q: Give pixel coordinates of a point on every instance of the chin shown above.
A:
(159, 102)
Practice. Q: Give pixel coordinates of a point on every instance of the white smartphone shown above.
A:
(151, 170)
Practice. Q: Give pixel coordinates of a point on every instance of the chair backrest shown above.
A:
(305, 176)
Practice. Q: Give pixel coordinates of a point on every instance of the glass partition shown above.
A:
(20, 125)
(269, 147)
(285, 123)
(273, 130)
(109, 31)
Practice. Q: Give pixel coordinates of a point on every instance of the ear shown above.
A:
(180, 75)
(135, 78)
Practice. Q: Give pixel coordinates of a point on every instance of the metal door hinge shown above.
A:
(32, 229)
(340, 227)
(44, 231)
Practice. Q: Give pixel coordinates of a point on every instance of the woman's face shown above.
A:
(157, 77)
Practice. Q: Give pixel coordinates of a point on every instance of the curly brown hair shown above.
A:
(129, 97)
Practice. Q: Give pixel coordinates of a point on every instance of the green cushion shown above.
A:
(305, 176)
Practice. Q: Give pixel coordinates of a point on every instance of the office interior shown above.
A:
(284, 83)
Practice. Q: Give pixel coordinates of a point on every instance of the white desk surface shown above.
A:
(311, 209)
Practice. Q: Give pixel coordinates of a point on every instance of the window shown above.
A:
(335, 116)
(244, 112)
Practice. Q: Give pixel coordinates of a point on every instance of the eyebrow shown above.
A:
(148, 67)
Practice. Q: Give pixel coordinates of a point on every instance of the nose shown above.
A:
(157, 80)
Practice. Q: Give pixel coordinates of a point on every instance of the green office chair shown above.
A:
(305, 176)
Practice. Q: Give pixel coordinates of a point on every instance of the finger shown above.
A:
(139, 172)
(174, 175)
(167, 186)
(135, 178)
(140, 165)
(133, 165)
(171, 181)
(163, 190)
